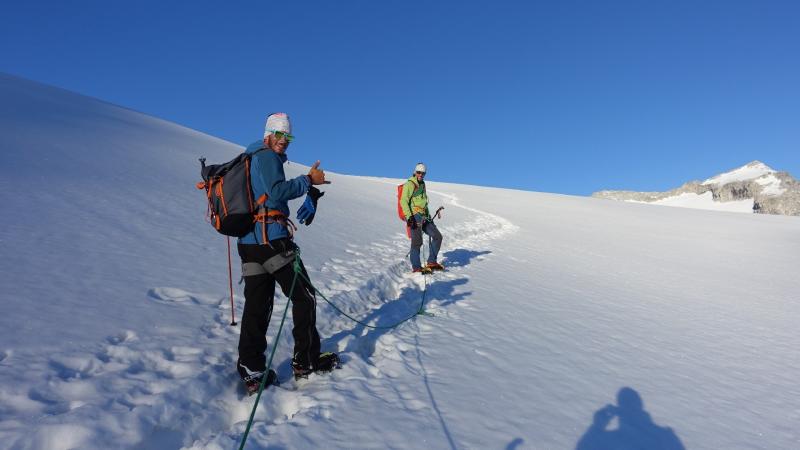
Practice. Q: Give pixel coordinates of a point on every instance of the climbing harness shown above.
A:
(270, 266)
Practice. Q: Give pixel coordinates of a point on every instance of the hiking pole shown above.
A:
(230, 282)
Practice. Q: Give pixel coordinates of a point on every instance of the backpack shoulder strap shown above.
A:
(417, 191)
(257, 151)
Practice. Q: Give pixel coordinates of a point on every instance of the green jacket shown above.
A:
(414, 199)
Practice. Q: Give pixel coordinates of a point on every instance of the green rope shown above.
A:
(298, 271)
(420, 311)
(271, 355)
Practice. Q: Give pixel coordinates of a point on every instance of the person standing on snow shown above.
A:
(267, 254)
(414, 201)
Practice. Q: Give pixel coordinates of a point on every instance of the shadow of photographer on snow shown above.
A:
(635, 430)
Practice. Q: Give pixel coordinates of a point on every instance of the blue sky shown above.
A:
(568, 96)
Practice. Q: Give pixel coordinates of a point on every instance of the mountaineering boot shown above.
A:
(422, 270)
(435, 266)
(326, 362)
(252, 378)
(253, 384)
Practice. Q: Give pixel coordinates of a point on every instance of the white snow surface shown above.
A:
(703, 201)
(749, 171)
(771, 184)
(115, 332)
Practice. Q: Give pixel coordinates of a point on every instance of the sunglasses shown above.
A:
(420, 173)
(282, 135)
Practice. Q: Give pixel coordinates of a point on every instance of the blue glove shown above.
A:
(306, 212)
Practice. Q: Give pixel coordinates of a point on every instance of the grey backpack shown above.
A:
(231, 207)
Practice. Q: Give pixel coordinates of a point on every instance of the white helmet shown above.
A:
(420, 168)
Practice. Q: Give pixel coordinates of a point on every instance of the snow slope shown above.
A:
(115, 330)
(771, 183)
(756, 171)
(703, 201)
(750, 171)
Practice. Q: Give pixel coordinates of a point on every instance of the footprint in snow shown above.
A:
(175, 295)
(125, 336)
(67, 367)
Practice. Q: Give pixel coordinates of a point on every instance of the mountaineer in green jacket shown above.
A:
(414, 201)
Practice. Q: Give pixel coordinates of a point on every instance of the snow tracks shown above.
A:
(177, 387)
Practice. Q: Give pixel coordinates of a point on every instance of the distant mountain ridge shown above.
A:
(770, 191)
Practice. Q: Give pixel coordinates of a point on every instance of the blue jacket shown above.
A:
(267, 176)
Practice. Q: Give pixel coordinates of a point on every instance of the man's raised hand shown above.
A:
(317, 176)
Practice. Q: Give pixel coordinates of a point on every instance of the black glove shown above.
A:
(306, 212)
(411, 222)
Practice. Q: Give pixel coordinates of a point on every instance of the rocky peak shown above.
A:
(750, 171)
(772, 192)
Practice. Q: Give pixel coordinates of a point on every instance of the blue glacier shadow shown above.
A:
(406, 305)
(461, 257)
(513, 445)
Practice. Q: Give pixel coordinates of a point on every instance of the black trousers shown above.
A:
(259, 296)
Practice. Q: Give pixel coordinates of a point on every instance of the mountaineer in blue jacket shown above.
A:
(267, 253)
